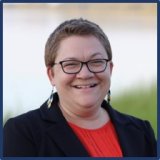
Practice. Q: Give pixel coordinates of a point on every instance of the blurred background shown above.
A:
(131, 29)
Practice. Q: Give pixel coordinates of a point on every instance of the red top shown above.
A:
(101, 142)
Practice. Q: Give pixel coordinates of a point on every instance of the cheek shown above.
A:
(105, 79)
(63, 80)
(105, 76)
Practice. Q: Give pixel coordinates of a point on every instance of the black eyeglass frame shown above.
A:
(82, 63)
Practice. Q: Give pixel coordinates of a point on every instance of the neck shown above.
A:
(91, 118)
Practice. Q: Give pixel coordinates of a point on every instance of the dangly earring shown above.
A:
(50, 100)
(109, 97)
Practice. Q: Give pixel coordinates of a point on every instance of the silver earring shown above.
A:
(50, 100)
(109, 97)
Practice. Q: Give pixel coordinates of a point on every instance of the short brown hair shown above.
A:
(72, 27)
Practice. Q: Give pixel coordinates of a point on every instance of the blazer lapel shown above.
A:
(66, 140)
(60, 132)
(131, 137)
(131, 140)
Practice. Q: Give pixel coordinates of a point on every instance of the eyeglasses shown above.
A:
(75, 66)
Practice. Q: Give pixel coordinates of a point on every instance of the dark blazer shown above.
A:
(44, 132)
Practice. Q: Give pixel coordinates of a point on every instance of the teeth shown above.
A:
(93, 85)
(85, 86)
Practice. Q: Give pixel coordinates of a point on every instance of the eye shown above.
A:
(70, 63)
(97, 62)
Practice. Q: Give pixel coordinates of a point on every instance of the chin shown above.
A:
(88, 102)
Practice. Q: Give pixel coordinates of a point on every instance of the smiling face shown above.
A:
(84, 89)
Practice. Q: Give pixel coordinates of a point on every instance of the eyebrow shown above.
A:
(75, 58)
(95, 54)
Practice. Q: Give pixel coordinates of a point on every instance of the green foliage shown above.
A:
(140, 102)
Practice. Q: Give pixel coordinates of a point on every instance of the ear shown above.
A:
(111, 67)
(50, 74)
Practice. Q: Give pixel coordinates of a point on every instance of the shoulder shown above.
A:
(22, 123)
(132, 120)
(133, 125)
(124, 118)
(143, 126)
(137, 131)
(129, 121)
(37, 120)
(21, 134)
(140, 130)
(25, 121)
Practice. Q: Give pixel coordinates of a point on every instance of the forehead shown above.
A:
(81, 47)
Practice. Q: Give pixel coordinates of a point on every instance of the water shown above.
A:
(26, 29)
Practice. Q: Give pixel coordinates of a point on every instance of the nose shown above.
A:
(84, 72)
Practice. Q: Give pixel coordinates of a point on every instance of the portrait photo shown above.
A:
(80, 69)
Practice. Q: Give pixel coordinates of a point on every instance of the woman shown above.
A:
(77, 121)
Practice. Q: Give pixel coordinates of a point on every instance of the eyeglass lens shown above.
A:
(95, 66)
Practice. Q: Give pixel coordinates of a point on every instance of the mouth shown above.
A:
(85, 86)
